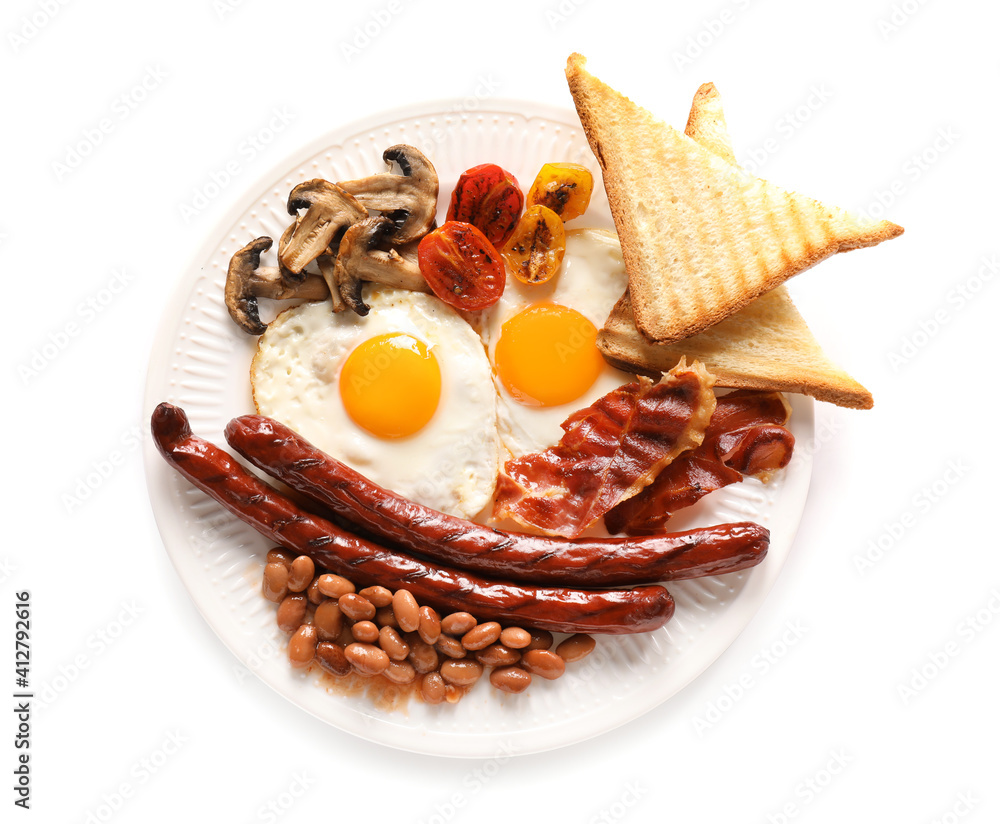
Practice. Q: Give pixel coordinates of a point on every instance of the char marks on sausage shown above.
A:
(284, 454)
(281, 520)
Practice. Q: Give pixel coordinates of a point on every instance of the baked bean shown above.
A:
(328, 620)
(280, 555)
(400, 672)
(449, 646)
(430, 625)
(540, 639)
(432, 688)
(457, 623)
(292, 612)
(510, 679)
(481, 636)
(407, 610)
(497, 655)
(576, 647)
(331, 658)
(346, 636)
(379, 596)
(367, 658)
(313, 593)
(395, 646)
(356, 607)
(333, 586)
(301, 573)
(302, 646)
(462, 673)
(365, 631)
(385, 617)
(423, 657)
(544, 663)
(515, 637)
(275, 582)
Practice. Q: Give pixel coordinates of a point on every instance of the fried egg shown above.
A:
(541, 340)
(404, 395)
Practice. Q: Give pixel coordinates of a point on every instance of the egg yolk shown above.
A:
(547, 355)
(390, 385)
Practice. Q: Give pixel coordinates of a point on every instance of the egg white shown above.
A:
(450, 464)
(590, 280)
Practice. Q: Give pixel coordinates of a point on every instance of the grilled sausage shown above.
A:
(287, 456)
(282, 521)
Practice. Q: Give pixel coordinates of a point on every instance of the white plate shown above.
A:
(200, 362)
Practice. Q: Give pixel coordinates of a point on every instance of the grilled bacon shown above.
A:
(745, 437)
(609, 452)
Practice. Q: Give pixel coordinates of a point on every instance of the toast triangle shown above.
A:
(707, 123)
(700, 238)
(765, 345)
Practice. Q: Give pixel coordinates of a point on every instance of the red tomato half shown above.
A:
(490, 199)
(461, 266)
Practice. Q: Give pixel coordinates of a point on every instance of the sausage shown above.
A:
(274, 515)
(282, 453)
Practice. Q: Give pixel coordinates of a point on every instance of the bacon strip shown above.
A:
(746, 436)
(608, 453)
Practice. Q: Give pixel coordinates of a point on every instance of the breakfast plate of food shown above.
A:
(447, 446)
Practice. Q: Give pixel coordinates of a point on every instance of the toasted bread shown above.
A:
(707, 123)
(700, 237)
(765, 345)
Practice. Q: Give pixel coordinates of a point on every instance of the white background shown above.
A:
(863, 689)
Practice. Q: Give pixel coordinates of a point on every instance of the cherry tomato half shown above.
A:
(461, 266)
(490, 199)
(535, 250)
(564, 187)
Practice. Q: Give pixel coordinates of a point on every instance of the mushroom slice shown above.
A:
(247, 280)
(329, 210)
(288, 275)
(363, 256)
(409, 199)
(327, 269)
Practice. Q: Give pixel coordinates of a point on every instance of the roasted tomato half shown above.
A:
(564, 187)
(535, 250)
(490, 199)
(461, 266)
